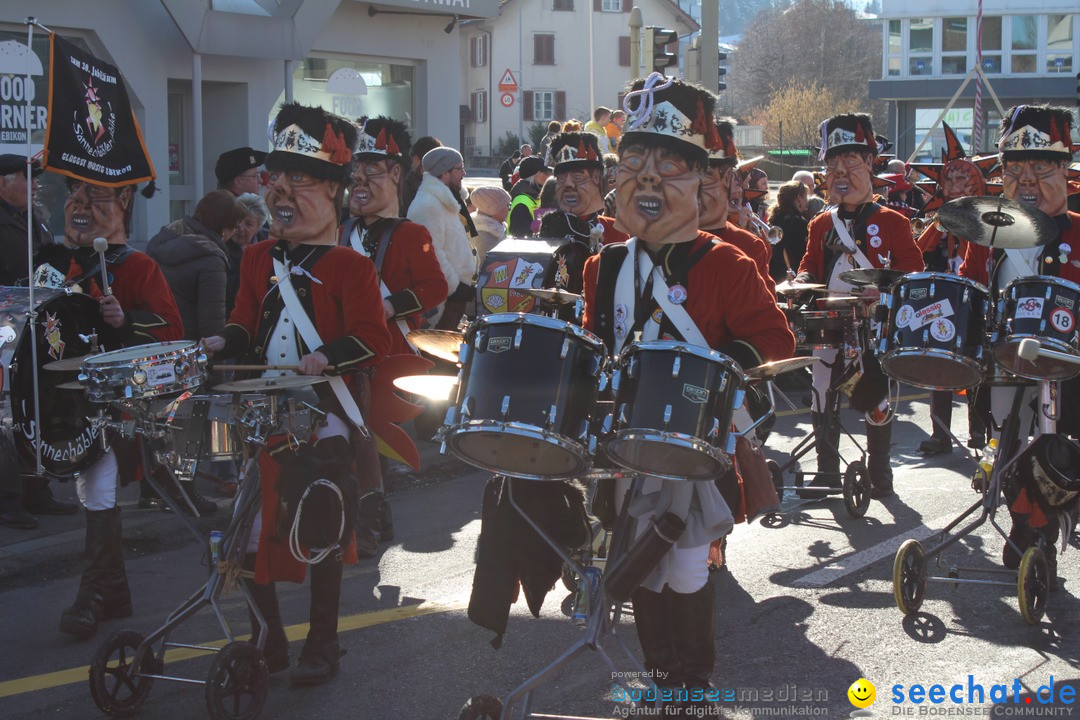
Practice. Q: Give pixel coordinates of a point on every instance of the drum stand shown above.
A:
(125, 666)
(602, 620)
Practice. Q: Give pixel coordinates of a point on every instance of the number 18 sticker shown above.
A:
(1062, 320)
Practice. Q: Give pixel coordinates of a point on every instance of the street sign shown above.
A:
(507, 100)
(507, 84)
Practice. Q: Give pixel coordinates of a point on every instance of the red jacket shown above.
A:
(892, 239)
(725, 297)
(753, 246)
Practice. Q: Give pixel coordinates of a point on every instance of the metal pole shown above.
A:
(710, 45)
(635, 42)
(521, 79)
(197, 122)
(288, 81)
(783, 165)
(38, 469)
(592, 75)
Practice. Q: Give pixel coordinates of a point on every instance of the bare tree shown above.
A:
(801, 107)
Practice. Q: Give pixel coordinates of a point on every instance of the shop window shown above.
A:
(894, 48)
(954, 45)
(1059, 41)
(1025, 36)
(921, 46)
(991, 45)
(353, 87)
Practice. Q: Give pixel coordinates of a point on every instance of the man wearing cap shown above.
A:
(671, 281)
(437, 206)
(237, 170)
(579, 194)
(306, 302)
(525, 196)
(1035, 148)
(857, 233)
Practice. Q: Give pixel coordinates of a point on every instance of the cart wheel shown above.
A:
(1032, 584)
(777, 478)
(856, 489)
(237, 683)
(909, 577)
(116, 686)
(481, 707)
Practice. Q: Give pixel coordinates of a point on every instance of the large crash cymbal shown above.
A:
(554, 296)
(65, 365)
(997, 222)
(881, 277)
(269, 384)
(73, 385)
(432, 387)
(442, 344)
(795, 288)
(769, 370)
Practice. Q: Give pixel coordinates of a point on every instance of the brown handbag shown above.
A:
(758, 493)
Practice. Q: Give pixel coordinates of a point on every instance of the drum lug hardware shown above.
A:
(605, 426)
(675, 369)
(565, 348)
(740, 396)
(715, 431)
(505, 408)
(517, 338)
(463, 354)
(451, 415)
(551, 415)
(729, 446)
(467, 408)
(592, 444)
(667, 416)
(932, 286)
(602, 384)
(623, 418)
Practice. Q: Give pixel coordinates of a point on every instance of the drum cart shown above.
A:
(125, 666)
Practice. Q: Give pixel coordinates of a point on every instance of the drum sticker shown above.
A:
(562, 274)
(918, 293)
(1062, 320)
(160, 375)
(904, 316)
(657, 316)
(52, 336)
(875, 241)
(677, 295)
(499, 275)
(1029, 307)
(925, 316)
(7, 334)
(872, 229)
(524, 273)
(942, 330)
(494, 299)
(695, 394)
(1065, 302)
(498, 344)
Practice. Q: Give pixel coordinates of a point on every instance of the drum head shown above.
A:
(948, 371)
(1041, 368)
(667, 458)
(518, 453)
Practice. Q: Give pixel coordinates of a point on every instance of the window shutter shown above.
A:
(526, 105)
(560, 105)
(597, 5)
(624, 51)
(472, 51)
(538, 49)
(551, 49)
(626, 5)
(484, 102)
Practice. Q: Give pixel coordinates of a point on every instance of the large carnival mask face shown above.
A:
(92, 211)
(655, 192)
(577, 191)
(1042, 183)
(302, 208)
(849, 178)
(374, 190)
(714, 196)
(961, 178)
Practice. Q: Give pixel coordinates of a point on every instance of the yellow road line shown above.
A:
(800, 411)
(71, 676)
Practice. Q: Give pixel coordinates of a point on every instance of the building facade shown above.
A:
(1030, 52)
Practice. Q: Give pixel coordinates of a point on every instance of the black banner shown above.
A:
(92, 134)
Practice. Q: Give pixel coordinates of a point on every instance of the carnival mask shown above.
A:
(302, 208)
(577, 191)
(849, 179)
(374, 190)
(1042, 183)
(93, 211)
(655, 195)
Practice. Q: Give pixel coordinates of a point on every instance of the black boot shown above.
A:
(81, 618)
(38, 499)
(321, 655)
(827, 444)
(148, 497)
(276, 648)
(1022, 536)
(204, 506)
(878, 442)
(369, 524)
(939, 441)
(694, 631)
(115, 593)
(652, 618)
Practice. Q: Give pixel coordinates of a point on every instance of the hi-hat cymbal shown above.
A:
(443, 344)
(73, 385)
(997, 222)
(555, 296)
(65, 365)
(267, 384)
(794, 288)
(840, 301)
(881, 277)
(769, 370)
(433, 387)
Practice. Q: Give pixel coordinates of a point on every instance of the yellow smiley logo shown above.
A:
(862, 693)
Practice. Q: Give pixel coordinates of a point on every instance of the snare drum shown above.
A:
(674, 404)
(1043, 308)
(143, 371)
(204, 427)
(936, 332)
(526, 391)
(827, 330)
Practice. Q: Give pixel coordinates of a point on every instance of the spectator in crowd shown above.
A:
(614, 130)
(571, 125)
(611, 167)
(898, 194)
(237, 170)
(526, 151)
(246, 232)
(547, 204)
(411, 182)
(789, 214)
(814, 202)
(506, 170)
(525, 196)
(437, 206)
(492, 207)
(553, 129)
(758, 181)
(598, 127)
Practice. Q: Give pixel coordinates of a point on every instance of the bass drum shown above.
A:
(68, 442)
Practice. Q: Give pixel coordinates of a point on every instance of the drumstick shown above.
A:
(100, 246)
(265, 367)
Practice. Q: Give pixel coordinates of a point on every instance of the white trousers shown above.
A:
(96, 486)
(1001, 399)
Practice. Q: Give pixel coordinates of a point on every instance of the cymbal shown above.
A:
(433, 387)
(871, 276)
(794, 288)
(285, 382)
(841, 301)
(443, 344)
(555, 296)
(997, 222)
(65, 365)
(73, 385)
(769, 370)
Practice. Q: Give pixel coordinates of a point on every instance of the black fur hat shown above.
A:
(311, 140)
(383, 136)
(662, 111)
(727, 153)
(850, 131)
(1036, 131)
(575, 149)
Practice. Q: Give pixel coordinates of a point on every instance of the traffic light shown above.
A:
(721, 86)
(656, 55)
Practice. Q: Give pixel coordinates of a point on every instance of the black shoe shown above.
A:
(18, 519)
(935, 446)
(1021, 535)
(976, 443)
(203, 506)
(51, 506)
(316, 668)
(81, 620)
(151, 503)
(880, 492)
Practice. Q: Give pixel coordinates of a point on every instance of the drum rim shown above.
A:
(680, 346)
(1041, 280)
(575, 448)
(978, 367)
(166, 348)
(948, 277)
(533, 319)
(683, 440)
(1013, 341)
